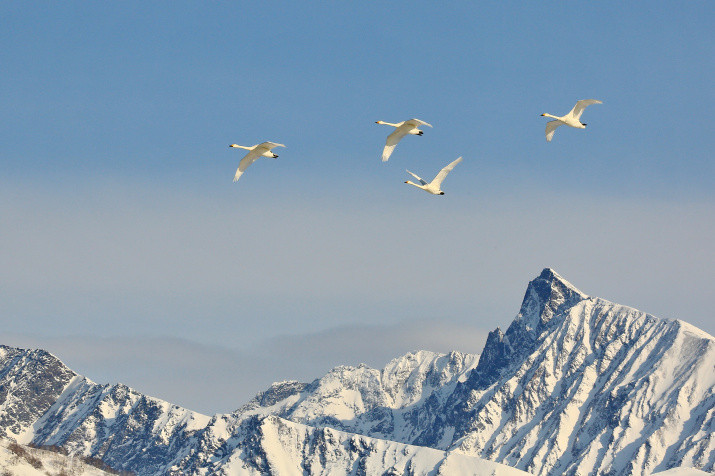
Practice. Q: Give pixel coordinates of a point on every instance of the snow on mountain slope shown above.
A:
(374, 402)
(353, 399)
(579, 385)
(117, 424)
(576, 385)
(682, 472)
(30, 382)
(272, 445)
(44, 403)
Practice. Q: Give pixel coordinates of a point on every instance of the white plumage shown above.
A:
(572, 119)
(434, 186)
(260, 150)
(403, 128)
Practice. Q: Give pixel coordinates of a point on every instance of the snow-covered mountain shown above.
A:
(576, 385)
(44, 403)
(148, 436)
(579, 385)
(272, 445)
(398, 402)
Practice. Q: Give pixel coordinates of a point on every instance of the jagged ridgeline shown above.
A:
(575, 385)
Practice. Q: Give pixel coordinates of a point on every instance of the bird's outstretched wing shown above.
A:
(269, 145)
(415, 176)
(551, 128)
(443, 173)
(247, 160)
(581, 105)
(417, 123)
(392, 141)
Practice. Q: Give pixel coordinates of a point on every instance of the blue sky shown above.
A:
(121, 225)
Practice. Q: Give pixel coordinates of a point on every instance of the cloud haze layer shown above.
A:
(210, 378)
(131, 262)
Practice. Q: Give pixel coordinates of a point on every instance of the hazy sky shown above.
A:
(126, 250)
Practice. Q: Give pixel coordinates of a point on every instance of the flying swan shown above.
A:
(433, 186)
(572, 119)
(410, 126)
(263, 149)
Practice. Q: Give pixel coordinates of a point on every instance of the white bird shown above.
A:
(410, 126)
(256, 151)
(572, 119)
(434, 186)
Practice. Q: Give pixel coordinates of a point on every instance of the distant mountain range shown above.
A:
(575, 385)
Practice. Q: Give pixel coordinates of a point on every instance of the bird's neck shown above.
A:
(551, 116)
(388, 124)
(241, 146)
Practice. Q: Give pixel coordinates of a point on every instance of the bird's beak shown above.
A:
(543, 115)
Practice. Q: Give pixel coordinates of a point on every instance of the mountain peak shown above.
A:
(549, 273)
(551, 276)
(544, 296)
